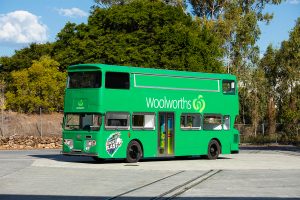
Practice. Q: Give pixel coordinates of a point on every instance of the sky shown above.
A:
(24, 22)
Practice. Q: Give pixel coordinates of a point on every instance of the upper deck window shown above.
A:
(228, 87)
(84, 79)
(117, 80)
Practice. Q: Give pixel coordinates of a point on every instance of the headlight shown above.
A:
(90, 143)
(69, 143)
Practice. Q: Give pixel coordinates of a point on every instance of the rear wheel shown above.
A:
(213, 150)
(134, 152)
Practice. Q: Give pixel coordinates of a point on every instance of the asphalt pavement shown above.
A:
(256, 173)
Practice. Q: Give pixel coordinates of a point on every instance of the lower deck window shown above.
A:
(226, 122)
(143, 121)
(212, 122)
(190, 121)
(117, 120)
(88, 122)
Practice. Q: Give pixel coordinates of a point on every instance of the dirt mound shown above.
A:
(30, 142)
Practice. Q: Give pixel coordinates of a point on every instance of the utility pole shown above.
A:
(41, 125)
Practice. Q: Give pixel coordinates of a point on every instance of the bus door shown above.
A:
(166, 134)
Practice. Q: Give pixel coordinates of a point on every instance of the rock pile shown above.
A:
(30, 142)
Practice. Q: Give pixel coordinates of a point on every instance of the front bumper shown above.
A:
(78, 153)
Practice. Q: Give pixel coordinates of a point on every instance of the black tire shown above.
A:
(213, 150)
(134, 152)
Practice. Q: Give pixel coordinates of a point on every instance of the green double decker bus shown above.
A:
(133, 113)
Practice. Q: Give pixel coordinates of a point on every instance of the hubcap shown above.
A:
(134, 152)
(213, 150)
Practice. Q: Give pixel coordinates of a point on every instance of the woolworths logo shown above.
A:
(182, 103)
(199, 104)
(80, 105)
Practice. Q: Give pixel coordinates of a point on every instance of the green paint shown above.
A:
(154, 91)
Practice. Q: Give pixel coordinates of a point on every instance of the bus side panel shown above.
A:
(148, 140)
(196, 142)
(108, 148)
(189, 142)
(113, 143)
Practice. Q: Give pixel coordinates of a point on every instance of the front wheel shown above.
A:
(134, 152)
(213, 150)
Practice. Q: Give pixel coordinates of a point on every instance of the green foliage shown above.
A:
(141, 33)
(159, 33)
(109, 3)
(288, 80)
(270, 67)
(279, 96)
(23, 58)
(269, 64)
(236, 23)
(252, 100)
(39, 86)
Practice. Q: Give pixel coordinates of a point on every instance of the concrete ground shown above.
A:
(256, 173)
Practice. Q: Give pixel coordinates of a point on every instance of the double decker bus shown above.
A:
(133, 113)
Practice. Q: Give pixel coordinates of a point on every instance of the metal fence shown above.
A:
(259, 135)
(261, 129)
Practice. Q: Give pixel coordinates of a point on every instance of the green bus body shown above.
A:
(168, 113)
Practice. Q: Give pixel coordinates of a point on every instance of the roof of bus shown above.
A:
(130, 69)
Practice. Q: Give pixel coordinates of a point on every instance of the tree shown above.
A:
(109, 3)
(236, 23)
(141, 33)
(270, 67)
(72, 45)
(252, 99)
(289, 76)
(23, 58)
(40, 86)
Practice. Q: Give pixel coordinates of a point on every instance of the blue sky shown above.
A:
(23, 22)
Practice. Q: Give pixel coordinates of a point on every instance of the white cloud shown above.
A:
(22, 27)
(294, 2)
(72, 12)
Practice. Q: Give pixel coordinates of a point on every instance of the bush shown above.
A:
(283, 138)
(40, 86)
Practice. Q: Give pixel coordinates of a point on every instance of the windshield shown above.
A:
(86, 122)
(84, 79)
